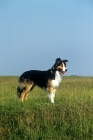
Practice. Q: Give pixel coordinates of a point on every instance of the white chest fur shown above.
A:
(58, 78)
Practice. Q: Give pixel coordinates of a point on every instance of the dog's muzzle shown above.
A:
(63, 72)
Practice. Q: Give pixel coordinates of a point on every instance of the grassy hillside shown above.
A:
(69, 118)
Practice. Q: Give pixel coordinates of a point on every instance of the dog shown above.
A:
(48, 80)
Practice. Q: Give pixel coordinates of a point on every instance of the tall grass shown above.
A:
(69, 118)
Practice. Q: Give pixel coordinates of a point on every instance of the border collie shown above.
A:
(47, 80)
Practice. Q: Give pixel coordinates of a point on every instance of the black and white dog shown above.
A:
(47, 80)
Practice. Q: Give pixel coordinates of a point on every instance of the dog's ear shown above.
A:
(65, 60)
(58, 60)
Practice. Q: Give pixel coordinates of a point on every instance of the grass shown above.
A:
(69, 118)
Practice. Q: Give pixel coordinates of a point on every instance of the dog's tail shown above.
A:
(19, 91)
(20, 87)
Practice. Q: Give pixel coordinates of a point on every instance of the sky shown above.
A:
(33, 33)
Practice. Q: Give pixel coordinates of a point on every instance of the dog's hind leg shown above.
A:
(20, 92)
(31, 88)
(24, 93)
(23, 89)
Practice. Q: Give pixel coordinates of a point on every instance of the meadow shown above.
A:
(69, 118)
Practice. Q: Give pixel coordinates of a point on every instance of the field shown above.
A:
(69, 118)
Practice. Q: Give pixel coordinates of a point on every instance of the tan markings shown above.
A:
(25, 87)
(25, 83)
(49, 84)
(60, 67)
(50, 89)
(24, 92)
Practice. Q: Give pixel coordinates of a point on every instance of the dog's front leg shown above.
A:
(51, 94)
(51, 97)
(54, 90)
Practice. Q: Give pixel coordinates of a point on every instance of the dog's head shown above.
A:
(60, 65)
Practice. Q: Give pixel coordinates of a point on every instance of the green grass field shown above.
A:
(69, 118)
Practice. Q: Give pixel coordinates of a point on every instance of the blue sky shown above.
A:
(33, 33)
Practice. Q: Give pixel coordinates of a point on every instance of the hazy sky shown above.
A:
(33, 33)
